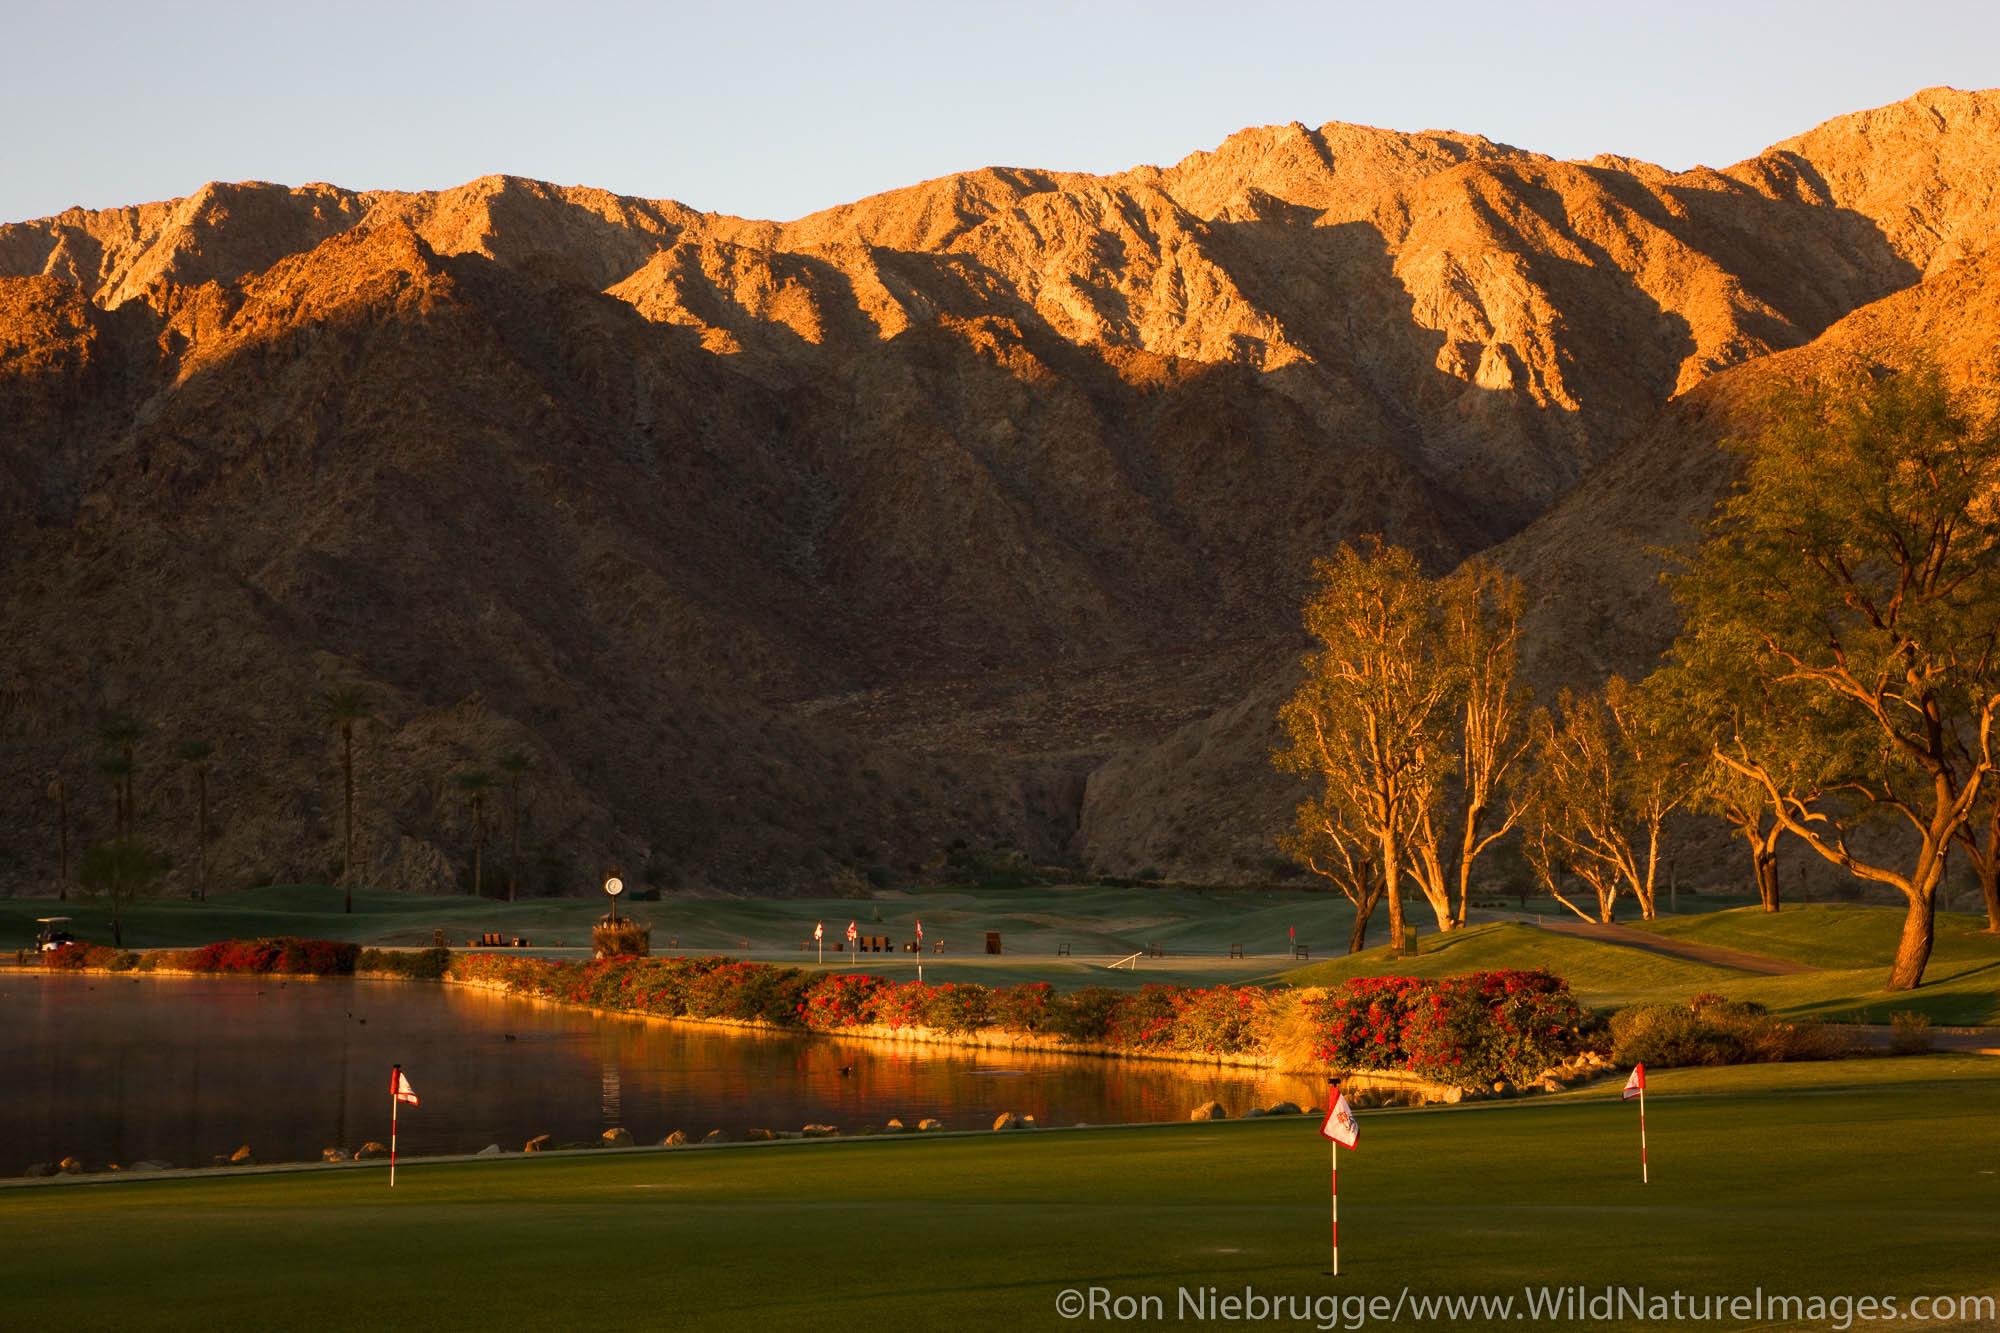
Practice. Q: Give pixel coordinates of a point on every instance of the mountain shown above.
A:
(796, 554)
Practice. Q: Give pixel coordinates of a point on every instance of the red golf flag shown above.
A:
(852, 933)
(819, 930)
(400, 1089)
(1635, 1084)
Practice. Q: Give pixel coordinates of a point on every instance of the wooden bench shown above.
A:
(1300, 951)
(1235, 951)
(1062, 951)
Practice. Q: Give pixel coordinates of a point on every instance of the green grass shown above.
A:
(1599, 973)
(1755, 1184)
(1828, 936)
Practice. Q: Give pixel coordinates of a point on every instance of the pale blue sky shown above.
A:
(778, 108)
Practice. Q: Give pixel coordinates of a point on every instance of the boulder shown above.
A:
(42, 1169)
(1255, 1113)
(490, 1150)
(1552, 1084)
(370, 1150)
(758, 1135)
(1285, 1108)
(893, 1127)
(929, 1124)
(717, 1136)
(1505, 1087)
(1027, 1122)
(539, 1143)
(69, 1166)
(675, 1139)
(820, 1131)
(1007, 1120)
(335, 1155)
(1208, 1111)
(617, 1138)
(242, 1156)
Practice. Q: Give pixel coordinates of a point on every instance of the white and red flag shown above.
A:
(1635, 1085)
(819, 930)
(400, 1089)
(920, 932)
(1340, 1125)
(852, 933)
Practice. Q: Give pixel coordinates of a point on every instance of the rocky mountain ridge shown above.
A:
(795, 552)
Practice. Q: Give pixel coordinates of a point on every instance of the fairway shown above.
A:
(1789, 1179)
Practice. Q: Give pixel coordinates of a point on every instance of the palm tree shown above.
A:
(514, 764)
(59, 793)
(344, 706)
(476, 785)
(117, 770)
(122, 732)
(196, 754)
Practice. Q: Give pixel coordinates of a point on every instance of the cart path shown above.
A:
(1673, 948)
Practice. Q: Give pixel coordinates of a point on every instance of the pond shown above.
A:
(179, 1070)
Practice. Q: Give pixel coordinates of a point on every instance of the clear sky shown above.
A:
(774, 108)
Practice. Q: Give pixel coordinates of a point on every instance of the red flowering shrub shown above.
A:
(1026, 1008)
(904, 1005)
(957, 1007)
(317, 958)
(1086, 1015)
(1221, 1020)
(842, 1000)
(77, 956)
(1362, 1022)
(1468, 1030)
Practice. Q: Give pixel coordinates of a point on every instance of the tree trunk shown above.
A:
(1764, 856)
(1393, 891)
(347, 806)
(62, 839)
(201, 835)
(1989, 889)
(1363, 911)
(1913, 951)
(513, 835)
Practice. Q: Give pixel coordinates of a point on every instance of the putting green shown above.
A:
(1794, 1180)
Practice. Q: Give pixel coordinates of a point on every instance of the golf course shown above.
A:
(1844, 1180)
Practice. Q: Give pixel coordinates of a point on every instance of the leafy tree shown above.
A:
(515, 765)
(1481, 611)
(1324, 843)
(1608, 773)
(121, 869)
(1854, 582)
(475, 785)
(196, 755)
(1370, 715)
(1408, 703)
(343, 708)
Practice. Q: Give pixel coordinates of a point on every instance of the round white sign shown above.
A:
(614, 886)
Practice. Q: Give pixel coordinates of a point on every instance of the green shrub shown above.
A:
(418, 964)
(1710, 1030)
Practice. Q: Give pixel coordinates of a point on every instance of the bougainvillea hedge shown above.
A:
(1467, 1030)
(1472, 1029)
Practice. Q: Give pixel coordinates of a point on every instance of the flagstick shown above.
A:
(1644, 1176)
(1333, 1175)
(395, 1105)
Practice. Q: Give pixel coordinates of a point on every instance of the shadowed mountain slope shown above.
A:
(794, 552)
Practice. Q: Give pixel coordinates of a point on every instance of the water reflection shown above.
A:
(177, 1070)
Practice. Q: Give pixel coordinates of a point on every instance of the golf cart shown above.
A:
(53, 935)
